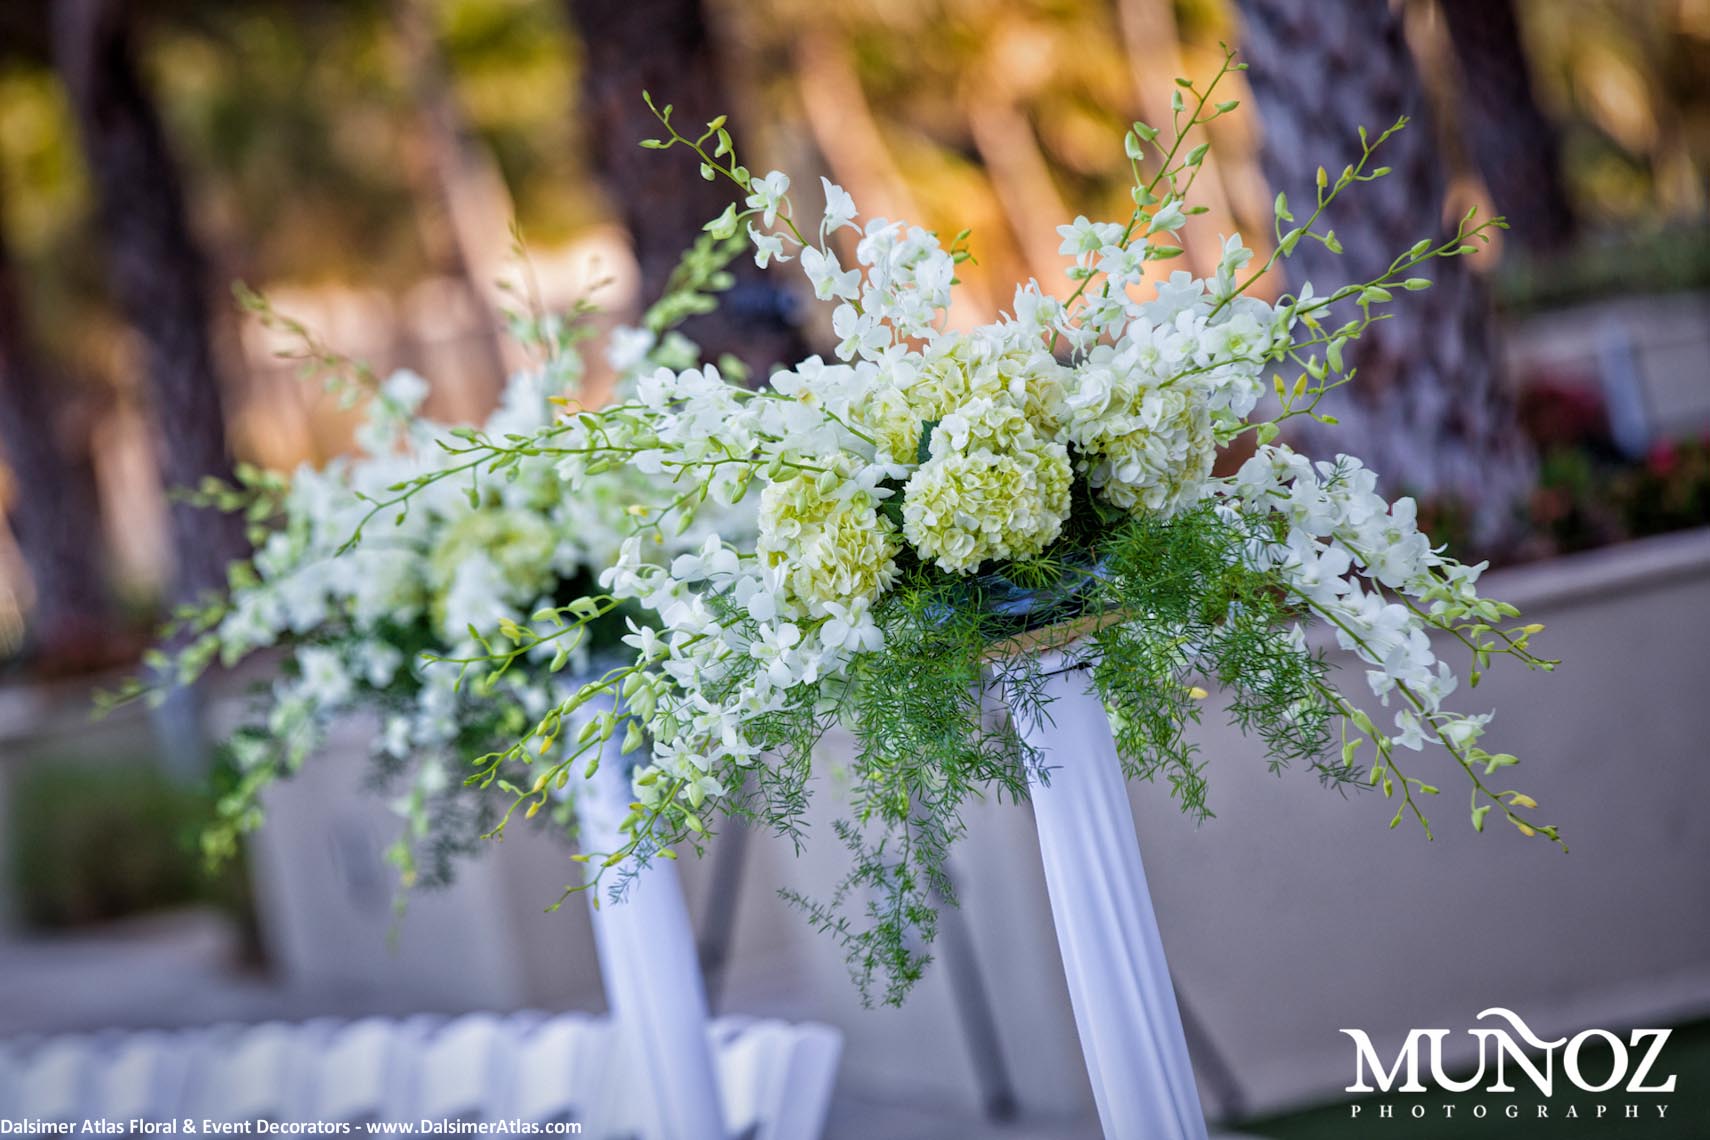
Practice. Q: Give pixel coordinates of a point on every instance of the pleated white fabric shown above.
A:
(652, 976)
(1119, 983)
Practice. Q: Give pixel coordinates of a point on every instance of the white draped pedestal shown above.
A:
(1119, 984)
(652, 977)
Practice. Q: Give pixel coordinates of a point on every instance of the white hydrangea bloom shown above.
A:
(964, 508)
(824, 534)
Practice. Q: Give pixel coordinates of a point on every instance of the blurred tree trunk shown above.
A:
(844, 128)
(1428, 406)
(52, 512)
(156, 271)
(1003, 135)
(461, 200)
(666, 47)
(1512, 141)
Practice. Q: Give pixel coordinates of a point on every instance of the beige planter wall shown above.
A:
(326, 899)
(326, 896)
(1294, 914)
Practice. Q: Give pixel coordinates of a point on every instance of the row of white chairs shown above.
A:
(775, 1078)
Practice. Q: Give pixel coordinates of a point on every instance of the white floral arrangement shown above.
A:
(935, 506)
(358, 619)
(876, 542)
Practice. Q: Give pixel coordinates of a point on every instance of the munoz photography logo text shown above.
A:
(1509, 1058)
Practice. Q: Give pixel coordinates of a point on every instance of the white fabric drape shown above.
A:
(1119, 983)
(652, 976)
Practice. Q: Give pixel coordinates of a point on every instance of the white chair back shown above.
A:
(775, 1078)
